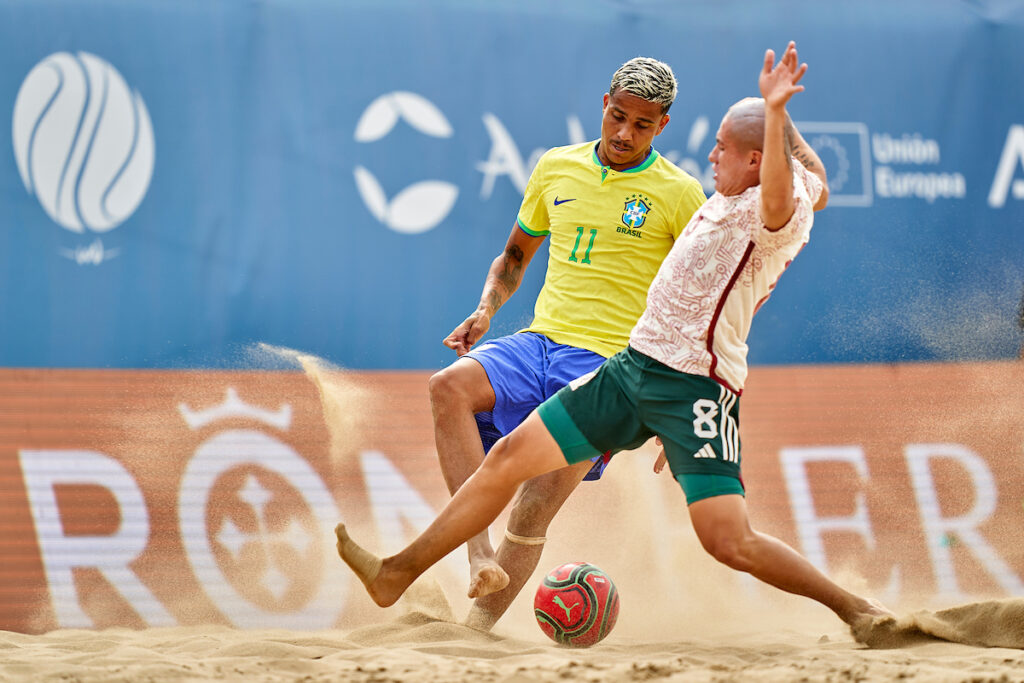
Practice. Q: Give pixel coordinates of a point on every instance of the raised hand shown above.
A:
(779, 82)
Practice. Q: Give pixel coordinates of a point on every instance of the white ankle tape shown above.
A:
(525, 540)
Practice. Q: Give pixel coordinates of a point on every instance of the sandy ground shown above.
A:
(417, 640)
(417, 647)
(683, 618)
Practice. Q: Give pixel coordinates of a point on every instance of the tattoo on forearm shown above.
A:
(513, 271)
(494, 300)
(803, 157)
(506, 281)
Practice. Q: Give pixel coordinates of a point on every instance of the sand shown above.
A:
(418, 641)
(418, 647)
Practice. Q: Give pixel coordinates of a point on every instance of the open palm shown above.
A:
(778, 82)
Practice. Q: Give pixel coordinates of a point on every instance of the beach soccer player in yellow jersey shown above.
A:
(682, 373)
(612, 209)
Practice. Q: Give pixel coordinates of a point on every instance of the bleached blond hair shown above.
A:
(647, 79)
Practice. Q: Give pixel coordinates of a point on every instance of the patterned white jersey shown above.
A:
(719, 272)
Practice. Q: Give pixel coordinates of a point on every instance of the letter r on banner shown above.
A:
(43, 470)
(939, 529)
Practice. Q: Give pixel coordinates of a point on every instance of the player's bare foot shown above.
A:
(487, 578)
(364, 564)
(873, 625)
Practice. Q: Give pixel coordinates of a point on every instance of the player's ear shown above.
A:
(661, 126)
(755, 159)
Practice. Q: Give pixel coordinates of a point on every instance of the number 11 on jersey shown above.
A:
(590, 245)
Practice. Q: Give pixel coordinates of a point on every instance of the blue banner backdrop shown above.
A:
(186, 178)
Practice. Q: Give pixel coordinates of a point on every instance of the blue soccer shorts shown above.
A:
(525, 369)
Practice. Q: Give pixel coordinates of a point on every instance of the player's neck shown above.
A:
(604, 162)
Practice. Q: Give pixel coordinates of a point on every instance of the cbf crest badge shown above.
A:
(636, 210)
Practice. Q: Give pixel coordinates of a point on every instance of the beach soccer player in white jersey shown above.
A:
(681, 376)
(612, 208)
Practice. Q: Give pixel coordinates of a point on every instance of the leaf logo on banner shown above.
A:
(420, 206)
(83, 142)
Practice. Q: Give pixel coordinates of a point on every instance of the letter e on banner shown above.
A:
(810, 527)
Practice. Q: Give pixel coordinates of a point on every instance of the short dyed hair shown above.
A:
(647, 79)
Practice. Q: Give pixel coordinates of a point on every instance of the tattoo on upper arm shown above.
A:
(803, 157)
(515, 253)
(513, 271)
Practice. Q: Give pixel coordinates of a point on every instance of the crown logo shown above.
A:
(233, 406)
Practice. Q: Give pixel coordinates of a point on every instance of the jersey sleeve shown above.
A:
(690, 200)
(533, 216)
(812, 183)
(807, 187)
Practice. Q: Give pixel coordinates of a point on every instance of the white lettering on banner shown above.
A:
(1011, 158)
(927, 186)
(111, 555)
(398, 508)
(292, 556)
(908, 149)
(504, 158)
(913, 150)
(94, 254)
(940, 531)
(810, 527)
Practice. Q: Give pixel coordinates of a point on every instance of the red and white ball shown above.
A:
(576, 604)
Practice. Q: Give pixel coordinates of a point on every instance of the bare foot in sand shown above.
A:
(874, 625)
(367, 567)
(487, 578)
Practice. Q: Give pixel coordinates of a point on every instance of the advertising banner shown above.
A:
(183, 179)
(166, 497)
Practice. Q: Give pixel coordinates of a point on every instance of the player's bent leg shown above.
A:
(536, 504)
(723, 528)
(457, 393)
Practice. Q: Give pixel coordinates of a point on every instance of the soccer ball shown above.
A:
(576, 604)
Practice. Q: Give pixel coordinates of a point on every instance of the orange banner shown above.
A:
(150, 498)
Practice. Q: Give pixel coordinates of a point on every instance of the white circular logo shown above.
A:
(422, 205)
(839, 171)
(255, 518)
(83, 142)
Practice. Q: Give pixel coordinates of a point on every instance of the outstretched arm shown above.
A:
(778, 83)
(502, 281)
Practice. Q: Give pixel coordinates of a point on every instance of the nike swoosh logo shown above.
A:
(563, 201)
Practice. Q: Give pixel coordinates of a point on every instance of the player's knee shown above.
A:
(731, 550)
(445, 387)
(456, 387)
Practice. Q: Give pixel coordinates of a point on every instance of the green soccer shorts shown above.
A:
(633, 397)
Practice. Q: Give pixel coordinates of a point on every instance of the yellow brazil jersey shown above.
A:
(610, 231)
